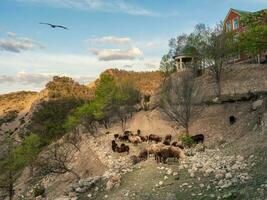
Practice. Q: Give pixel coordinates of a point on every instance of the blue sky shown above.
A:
(126, 34)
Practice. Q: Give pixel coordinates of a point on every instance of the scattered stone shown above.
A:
(228, 175)
(165, 178)
(257, 104)
(174, 173)
(201, 185)
(89, 195)
(114, 181)
(160, 183)
(192, 175)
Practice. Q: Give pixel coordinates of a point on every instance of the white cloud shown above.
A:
(39, 79)
(100, 5)
(110, 40)
(117, 54)
(17, 44)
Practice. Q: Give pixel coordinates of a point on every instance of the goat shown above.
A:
(123, 148)
(199, 138)
(155, 138)
(168, 137)
(114, 145)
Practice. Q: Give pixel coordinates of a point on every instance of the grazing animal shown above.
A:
(123, 148)
(114, 145)
(54, 26)
(199, 138)
(232, 120)
(168, 137)
(154, 148)
(143, 155)
(135, 139)
(167, 142)
(138, 132)
(177, 144)
(144, 138)
(127, 133)
(124, 137)
(155, 138)
(116, 136)
(169, 152)
(135, 159)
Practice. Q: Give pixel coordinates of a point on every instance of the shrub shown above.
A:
(38, 190)
(187, 141)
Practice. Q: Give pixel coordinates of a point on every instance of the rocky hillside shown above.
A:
(231, 164)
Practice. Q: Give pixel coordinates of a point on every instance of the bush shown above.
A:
(38, 190)
(187, 141)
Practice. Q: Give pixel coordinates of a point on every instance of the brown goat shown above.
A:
(144, 138)
(168, 137)
(116, 136)
(169, 152)
(135, 139)
(178, 144)
(123, 148)
(155, 138)
(143, 155)
(167, 142)
(114, 145)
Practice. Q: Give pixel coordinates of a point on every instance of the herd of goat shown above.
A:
(162, 149)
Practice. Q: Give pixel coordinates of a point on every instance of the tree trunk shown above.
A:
(186, 129)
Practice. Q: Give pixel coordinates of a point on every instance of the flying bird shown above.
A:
(54, 26)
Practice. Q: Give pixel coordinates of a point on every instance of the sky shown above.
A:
(102, 34)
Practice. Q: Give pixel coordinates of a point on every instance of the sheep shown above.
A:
(144, 138)
(154, 148)
(114, 145)
(143, 155)
(123, 137)
(127, 133)
(199, 138)
(177, 144)
(169, 152)
(167, 142)
(155, 138)
(135, 159)
(168, 137)
(123, 148)
(116, 136)
(135, 139)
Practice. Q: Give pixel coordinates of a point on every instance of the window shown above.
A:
(235, 23)
(228, 26)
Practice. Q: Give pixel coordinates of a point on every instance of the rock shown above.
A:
(192, 175)
(175, 173)
(239, 158)
(201, 185)
(257, 104)
(169, 172)
(170, 196)
(89, 195)
(114, 181)
(80, 190)
(72, 194)
(106, 196)
(228, 175)
(160, 183)
(39, 198)
(165, 177)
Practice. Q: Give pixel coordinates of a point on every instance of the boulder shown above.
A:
(114, 181)
(257, 104)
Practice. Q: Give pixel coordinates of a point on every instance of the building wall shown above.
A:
(232, 15)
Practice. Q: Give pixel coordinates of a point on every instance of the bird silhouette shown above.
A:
(54, 26)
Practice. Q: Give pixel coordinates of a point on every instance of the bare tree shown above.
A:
(178, 98)
(57, 160)
(73, 138)
(218, 48)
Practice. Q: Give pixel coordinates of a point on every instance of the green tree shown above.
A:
(26, 153)
(253, 41)
(167, 66)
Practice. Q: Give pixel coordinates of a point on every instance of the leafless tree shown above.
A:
(57, 160)
(178, 97)
(73, 138)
